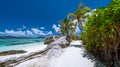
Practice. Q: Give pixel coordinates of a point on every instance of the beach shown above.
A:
(71, 56)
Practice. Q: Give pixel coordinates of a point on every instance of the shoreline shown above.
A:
(20, 46)
(71, 56)
(29, 49)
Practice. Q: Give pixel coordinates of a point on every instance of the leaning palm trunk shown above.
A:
(80, 26)
(73, 31)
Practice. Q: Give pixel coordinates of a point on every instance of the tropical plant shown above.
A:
(80, 15)
(102, 34)
(66, 27)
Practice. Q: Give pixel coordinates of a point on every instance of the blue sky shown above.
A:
(23, 15)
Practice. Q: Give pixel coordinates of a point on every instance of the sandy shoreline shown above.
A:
(35, 48)
(71, 57)
(30, 49)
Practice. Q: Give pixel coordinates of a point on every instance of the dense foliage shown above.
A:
(102, 34)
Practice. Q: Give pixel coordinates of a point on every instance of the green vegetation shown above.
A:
(102, 34)
(102, 31)
(68, 26)
(79, 14)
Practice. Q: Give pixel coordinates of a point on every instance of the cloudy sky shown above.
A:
(38, 17)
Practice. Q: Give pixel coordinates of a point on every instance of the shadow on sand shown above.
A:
(97, 63)
(89, 56)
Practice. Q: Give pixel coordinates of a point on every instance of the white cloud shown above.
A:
(37, 31)
(33, 32)
(1, 33)
(29, 33)
(59, 25)
(40, 32)
(50, 33)
(42, 28)
(56, 28)
(14, 33)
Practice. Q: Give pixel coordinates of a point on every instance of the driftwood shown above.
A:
(53, 49)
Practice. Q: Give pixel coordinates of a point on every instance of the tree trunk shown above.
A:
(80, 25)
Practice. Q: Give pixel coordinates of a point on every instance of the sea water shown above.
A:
(17, 44)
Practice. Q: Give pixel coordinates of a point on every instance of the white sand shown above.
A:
(71, 57)
(76, 42)
(34, 48)
(36, 62)
(28, 49)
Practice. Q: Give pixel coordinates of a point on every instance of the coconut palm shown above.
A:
(79, 14)
(66, 27)
(71, 17)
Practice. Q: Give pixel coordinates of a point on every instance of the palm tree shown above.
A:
(66, 27)
(63, 28)
(71, 17)
(79, 14)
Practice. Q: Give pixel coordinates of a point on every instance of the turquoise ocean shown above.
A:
(17, 44)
